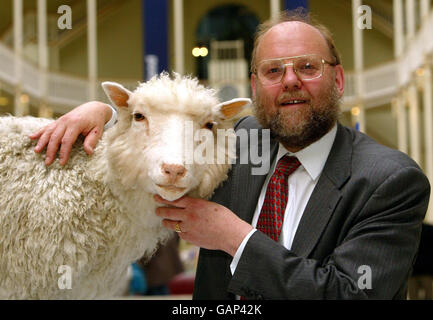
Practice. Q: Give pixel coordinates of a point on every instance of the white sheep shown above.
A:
(71, 232)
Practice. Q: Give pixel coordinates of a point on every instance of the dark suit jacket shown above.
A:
(357, 238)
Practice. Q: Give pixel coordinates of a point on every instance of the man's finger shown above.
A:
(176, 214)
(53, 144)
(43, 140)
(92, 139)
(67, 142)
(37, 134)
(171, 224)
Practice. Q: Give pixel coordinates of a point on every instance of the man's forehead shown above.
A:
(294, 35)
(295, 28)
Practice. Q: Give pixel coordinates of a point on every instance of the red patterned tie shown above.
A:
(272, 213)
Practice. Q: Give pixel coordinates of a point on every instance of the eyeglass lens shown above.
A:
(306, 67)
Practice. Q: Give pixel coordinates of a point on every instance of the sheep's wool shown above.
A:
(92, 217)
(54, 218)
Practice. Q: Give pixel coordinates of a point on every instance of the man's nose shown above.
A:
(290, 79)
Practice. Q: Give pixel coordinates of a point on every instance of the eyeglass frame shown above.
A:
(323, 61)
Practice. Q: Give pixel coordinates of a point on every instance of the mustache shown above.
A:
(299, 95)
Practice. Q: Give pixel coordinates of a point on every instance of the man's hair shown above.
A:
(301, 15)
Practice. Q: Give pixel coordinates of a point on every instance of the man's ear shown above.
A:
(117, 94)
(339, 79)
(231, 108)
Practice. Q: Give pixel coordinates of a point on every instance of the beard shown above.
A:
(298, 128)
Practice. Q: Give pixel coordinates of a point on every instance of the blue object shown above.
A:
(138, 284)
(357, 126)
(293, 4)
(155, 33)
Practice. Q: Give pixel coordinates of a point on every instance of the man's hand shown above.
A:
(204, 223)
(87, 119)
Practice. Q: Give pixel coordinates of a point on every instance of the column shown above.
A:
(414, 111)
(424, 9)
(275, 8)
(399, 107)
(428, 134)
(358, 50)
(428, 114)
(410, 19)
(44, 110)
(414, 122)
(399, 104)
(19, 107)
(398, 28)
(92, 49)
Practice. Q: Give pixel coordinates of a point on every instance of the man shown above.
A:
(349, 225)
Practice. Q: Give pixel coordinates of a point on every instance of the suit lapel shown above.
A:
(326, 194)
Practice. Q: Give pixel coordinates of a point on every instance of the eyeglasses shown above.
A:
(306, 67)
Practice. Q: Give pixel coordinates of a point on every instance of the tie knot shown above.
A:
(287, 164)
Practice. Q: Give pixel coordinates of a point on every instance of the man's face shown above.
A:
(298, 112)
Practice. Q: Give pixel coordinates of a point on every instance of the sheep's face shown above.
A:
(173, 138)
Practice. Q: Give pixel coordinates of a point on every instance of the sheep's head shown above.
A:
(173, 136)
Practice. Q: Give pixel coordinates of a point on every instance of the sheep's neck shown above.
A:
(137, 203)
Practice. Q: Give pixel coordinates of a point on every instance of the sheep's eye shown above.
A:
(139, 117)
(209, 125)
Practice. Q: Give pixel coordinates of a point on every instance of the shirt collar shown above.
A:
(313, 157)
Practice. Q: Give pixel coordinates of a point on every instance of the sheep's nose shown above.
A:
(173, 171)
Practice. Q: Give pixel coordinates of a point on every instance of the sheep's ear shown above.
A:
(117, 94)
(231, 108)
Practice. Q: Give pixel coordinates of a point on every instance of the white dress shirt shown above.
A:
(301, 185)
